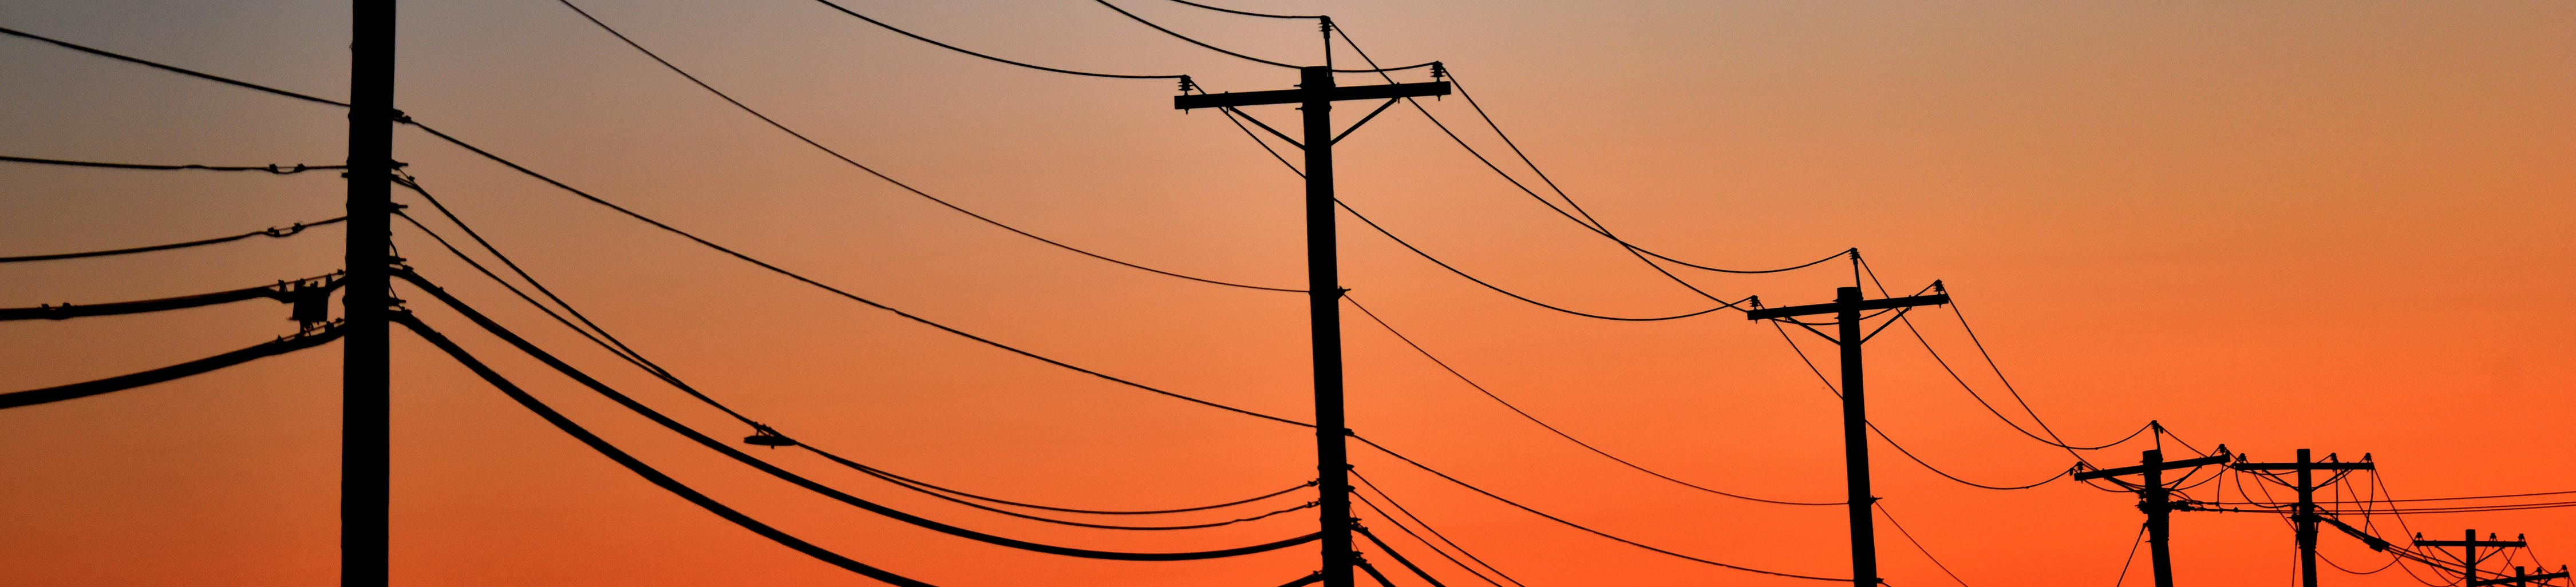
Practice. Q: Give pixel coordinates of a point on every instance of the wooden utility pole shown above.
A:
(1847, 305)
(2155, 499)
(1315, 95)
(2469, 544)
(366, 302)
(2305, 515)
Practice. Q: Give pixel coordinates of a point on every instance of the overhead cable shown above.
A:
(2052, 440)
(774, 123)
(1444, 365)
(1551, 517)
(1426, 527)
(272, 168)
(1918, 544)
(171, 68)
(1398, 556)
(639, 467)
(1346, 207)
(1327, 26)
(883, 25)
(828, 288)
(728, 450)
(1891, 442)
(284, 291)
(646, 364)
(274, 232)
(283, 345)
(1233, 11)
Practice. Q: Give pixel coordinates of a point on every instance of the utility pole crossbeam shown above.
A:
(366, 442)
(1315, 95)
(1846, 308)
(2306, 516)
(2469, 544)
(2155, 499)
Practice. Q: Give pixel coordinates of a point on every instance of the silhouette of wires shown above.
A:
(1489, 394)
(1551, 517)
(2053, 439)
(170, 68)
(300, 290)
(272, 232)
(1891, 442)
(283, 345)
(774, 123)
(728, 450)
(1918, 544)
(1233, 11)
(637, 358)
(1327, 27)
(1372, 224)
(272, 168)
(1426, 527)
(916, 37)
(755, 261)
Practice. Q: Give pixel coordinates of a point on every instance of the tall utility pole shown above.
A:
(1315, 95)
(2155, 499)
(2305, 516)
(2521, 578)
(1846, 308)
(366, 437)
(2469, 544)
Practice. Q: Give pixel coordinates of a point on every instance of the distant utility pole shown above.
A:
(366, 437)
(2469, 544)
(2155, 499)
(2305, 515)
(2520, 577)
(1315, 95)
(1846, 308)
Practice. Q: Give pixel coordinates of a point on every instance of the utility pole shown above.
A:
(366, 437)
(1847, 305)
(1315, 95)
(2469, 544)
(2155, 499)
(2522, 578)
(2305, 515)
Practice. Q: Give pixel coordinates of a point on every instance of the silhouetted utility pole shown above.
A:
(2521, 578)
(2469, 544)
(2155, 499)
(1315, 95)
(365, 412)
(1846, 308)
(2305, 515)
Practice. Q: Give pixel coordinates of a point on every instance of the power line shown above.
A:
(1399, 557)
(1891, 442)
(272, 168)
(273, 232)
(1233, 11)
(1426, 527)
(882, 24)
(1918, 544)
(283, 345)
(1426, 543)
(2052, 440)
(637, 358)
(746, 108)
(1327, 28)
(170, 68)
(1346, 207)
(727, 450)
(836, 291)
(1550, 517)
(301, 290)
(1444, 365)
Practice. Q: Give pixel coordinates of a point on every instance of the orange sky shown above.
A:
(2274, 226)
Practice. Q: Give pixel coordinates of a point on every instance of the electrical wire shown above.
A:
(1489, 394)
(1426, 527)
(1426, 543)
(1551, 517)
(782, 127)
(1399, 557)
(1918, 545)
(287, 231)
(1346, 207)
(637, 359)
(174, 69)
(638, 466)
(782, 474)
(272, 168)
(883, 25)
(1891, 442)
(2133, 556)
(283, 291)
(2052, 440)
(283, 345)
(828, 288)
(1233, 11)
(1327, 26)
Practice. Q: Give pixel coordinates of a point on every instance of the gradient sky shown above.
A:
(2339, 226)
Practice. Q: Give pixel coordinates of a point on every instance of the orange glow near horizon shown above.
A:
(2341, 227)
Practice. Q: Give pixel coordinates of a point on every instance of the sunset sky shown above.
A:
(2269, 225)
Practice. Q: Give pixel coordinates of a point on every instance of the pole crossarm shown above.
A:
(2487, 543)
(1301, 96)
(2137, 469)
(1833, 307)
(2301, 466)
